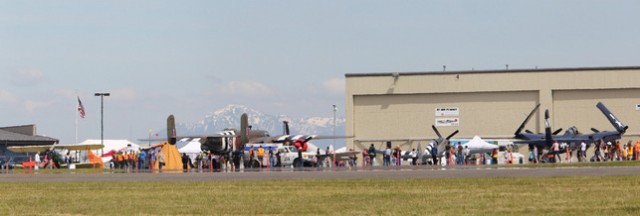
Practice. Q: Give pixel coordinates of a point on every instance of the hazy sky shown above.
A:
(189, 58)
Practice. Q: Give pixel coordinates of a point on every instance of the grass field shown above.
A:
(615, 195)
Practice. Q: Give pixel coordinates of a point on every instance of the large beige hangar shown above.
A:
(401, 107)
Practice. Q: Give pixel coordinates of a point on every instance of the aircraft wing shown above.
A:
(42, 148)
(281, 139)
(190, 137)
(339, 156)
(22, 149)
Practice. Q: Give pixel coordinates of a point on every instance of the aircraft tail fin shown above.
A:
(620, 127)
(171, 130)
(244, 130)
(286, 128)
(519, 131)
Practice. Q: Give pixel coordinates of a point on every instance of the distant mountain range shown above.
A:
(229, 117)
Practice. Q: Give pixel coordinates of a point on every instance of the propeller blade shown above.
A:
(557, 131)
(436, 130)
(527, 120)
(453, 134)
(595, 130)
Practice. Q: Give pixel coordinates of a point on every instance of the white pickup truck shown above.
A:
(288, 156)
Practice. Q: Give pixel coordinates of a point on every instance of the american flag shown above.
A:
(80, 108)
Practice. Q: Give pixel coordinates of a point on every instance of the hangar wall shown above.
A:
(400, 107)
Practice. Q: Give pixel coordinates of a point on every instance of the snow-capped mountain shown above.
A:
(229, 117)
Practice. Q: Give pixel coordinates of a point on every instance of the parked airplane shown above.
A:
(572, 136)
(57, 158)
(440, 143)
(596, 136)
(236, 140)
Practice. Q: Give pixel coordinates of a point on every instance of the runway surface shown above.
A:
(289, 174)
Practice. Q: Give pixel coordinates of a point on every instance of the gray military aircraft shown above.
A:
(598, 136)
(572, 136)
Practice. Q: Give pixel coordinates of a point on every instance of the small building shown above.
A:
(25, 135)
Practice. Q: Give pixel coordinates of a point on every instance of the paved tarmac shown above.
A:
(289, 174)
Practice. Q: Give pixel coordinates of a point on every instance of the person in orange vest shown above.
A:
(261, 154)
(637, 150)
(629, 151)
(120, 160)
(618, 155)
(250, 153)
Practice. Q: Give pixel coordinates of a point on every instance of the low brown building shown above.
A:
(25, 135)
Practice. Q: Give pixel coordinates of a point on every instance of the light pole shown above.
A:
(335, 109)
(150, 131)
(102, 95)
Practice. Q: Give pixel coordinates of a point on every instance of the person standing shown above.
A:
(327, 160)
(494, 157)
(152, 158)
(372, 154)
(37, 159)
(353, 159)
(460, 154)
(386, 157)
(467, 154)
(414, 157)
(141, 160)
(637, 150)
(250, 154)
(160, 157)
(583, 151)
(261, 155)
(278, 159)
(556, 151)
(300, 162)
(67, 160)
(434, 154)
(186, 162)
(272, 157)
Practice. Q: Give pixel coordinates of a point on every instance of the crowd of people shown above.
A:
(602, 151)
(454, 154)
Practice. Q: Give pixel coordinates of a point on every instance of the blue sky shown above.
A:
(282, 57)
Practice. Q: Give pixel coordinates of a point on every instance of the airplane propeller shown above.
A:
(452, 134)
(440, 138)
(557, 131)
(436, 130)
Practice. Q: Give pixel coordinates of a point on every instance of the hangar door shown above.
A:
(410, 116)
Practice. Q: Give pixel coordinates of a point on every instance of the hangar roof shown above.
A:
(581, 69)
(23, 134)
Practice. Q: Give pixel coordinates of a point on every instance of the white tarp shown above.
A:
(189, 146)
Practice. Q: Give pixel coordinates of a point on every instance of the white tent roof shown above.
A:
(477, 141)
(189, 146)
(113, 144)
